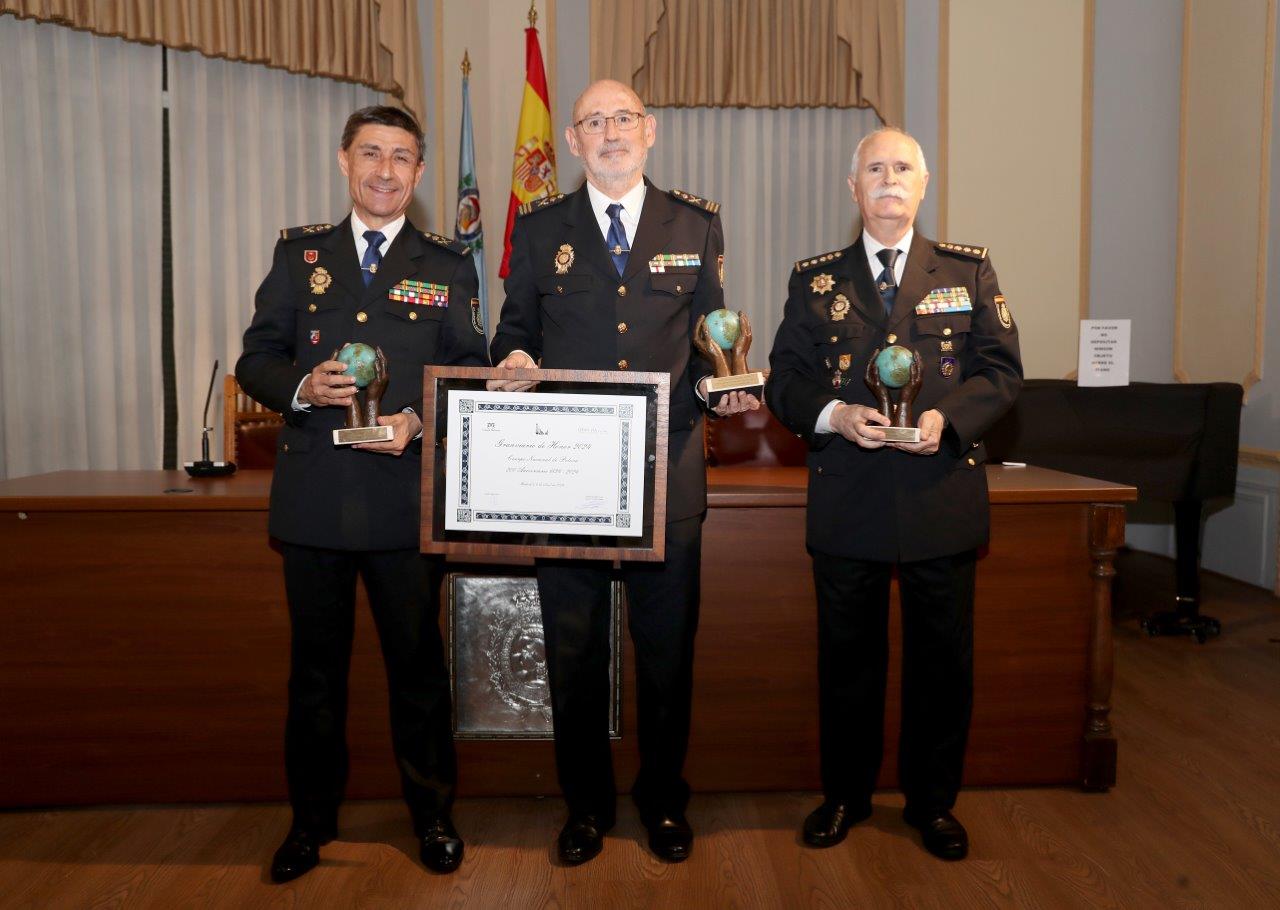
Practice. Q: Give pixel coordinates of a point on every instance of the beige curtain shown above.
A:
(81, 386)
(753, 53)
(253, 152)
(372, 42)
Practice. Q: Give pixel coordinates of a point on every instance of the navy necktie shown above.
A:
(617, 238)
(887, 282)
(372, 256)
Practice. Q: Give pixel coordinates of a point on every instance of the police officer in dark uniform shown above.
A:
(615, 277)
(340, 512)
(874, 505)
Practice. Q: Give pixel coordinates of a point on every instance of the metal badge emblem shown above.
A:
(1002, 310)
(839, 308)
(310, 256)
(320, 280)
(720, 268)
(821, 284)
(846, 360)
(476, 322)
(564, 259)
(948, 345)
(315, 336)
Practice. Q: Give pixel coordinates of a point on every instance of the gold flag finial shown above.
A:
(533, 13)
(466, 64)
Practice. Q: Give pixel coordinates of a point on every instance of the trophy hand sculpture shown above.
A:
(726, 331)
(369, 368)
(896, 369)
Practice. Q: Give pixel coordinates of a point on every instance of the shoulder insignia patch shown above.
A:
(306, 230)
(695, 201)
(539, 204)
(962, 249)
(804, 265)
(440, 240)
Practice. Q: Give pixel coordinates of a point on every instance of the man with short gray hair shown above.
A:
(875, 504)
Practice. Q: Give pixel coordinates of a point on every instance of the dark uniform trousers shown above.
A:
(937, 674)
(662, 617)
(568, 307)
(341, 514)
(873, 511)
(321, 589)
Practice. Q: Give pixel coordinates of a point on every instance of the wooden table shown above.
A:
(144, 655)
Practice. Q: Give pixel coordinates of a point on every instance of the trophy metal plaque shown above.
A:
(894, 376)
(498, 663)
(369, 367)
(726, 331)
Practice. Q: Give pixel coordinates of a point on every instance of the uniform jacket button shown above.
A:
(892, 339)
(622, 328)
(972, 462)
(311, 308)
(413, 316)
(362, 316)
(622, 364)
(622, 290)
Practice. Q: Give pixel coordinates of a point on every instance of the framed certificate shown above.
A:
(575, 468)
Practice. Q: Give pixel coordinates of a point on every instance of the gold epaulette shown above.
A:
(695, 201)
(962, 249)
(538, 205)
(304, 231)
(446, 242)
(804, 265)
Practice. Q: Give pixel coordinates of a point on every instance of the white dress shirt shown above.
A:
(632, 204)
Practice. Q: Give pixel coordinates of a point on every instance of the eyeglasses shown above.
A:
(625, 120)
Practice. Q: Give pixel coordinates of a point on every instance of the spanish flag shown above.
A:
(533, 172)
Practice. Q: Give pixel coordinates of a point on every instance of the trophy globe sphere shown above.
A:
(360, 360)
(725, 327)
(894, 365)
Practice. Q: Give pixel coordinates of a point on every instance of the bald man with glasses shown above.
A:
(616, 276)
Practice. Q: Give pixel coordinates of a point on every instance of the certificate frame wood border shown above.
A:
(437, 380)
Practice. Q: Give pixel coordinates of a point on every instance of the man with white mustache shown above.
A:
(875, 505)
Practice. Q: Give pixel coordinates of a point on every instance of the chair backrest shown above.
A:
(249, 429)
(753, 438)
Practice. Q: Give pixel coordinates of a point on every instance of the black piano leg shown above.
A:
(1185, 619)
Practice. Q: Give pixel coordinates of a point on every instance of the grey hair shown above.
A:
(857, 153)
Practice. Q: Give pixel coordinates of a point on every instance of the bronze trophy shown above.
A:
(723, 331)
(369, 367)
(897, 373)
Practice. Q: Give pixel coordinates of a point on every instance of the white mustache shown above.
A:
(896, 192)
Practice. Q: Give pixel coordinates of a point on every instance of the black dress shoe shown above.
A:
(670, 837)
(827, 825)
(942, 834)
(300, 852)
(440, 846)
(581, 839)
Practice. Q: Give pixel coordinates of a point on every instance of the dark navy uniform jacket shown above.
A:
(313, 301)
(885, 504)
(584, 316)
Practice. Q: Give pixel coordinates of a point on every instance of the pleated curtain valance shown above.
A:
(753, 53)
(371, 42)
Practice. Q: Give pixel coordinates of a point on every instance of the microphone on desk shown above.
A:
(204, 467)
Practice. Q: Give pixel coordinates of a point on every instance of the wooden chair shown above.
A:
(249, 429)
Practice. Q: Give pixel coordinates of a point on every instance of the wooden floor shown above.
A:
(1193, 822)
